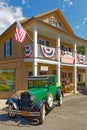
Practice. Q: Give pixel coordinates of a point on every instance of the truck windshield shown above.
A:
(37, 83)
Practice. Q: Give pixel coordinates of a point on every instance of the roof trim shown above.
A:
(34, 19)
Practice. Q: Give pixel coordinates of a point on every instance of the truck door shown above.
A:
(52, 86)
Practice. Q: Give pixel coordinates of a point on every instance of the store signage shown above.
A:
(67, 60)
(44, 68)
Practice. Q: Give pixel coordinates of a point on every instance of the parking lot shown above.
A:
(72, 115)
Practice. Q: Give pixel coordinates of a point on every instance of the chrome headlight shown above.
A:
(32, 98)
(16, 96)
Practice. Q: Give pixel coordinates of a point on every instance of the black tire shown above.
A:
(10, 114)
(49, 101)
(42, 114)
(59, 98)
(60, 102)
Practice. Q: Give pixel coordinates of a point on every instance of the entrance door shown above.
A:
(64, 77)
(70, 77)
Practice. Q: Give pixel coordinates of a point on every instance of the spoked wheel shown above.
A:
(42, 114)
(49, 101)
(11, 114)
(60, 102)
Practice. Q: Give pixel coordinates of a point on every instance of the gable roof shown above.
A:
(59, 14)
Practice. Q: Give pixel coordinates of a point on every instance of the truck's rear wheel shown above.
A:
(42, 114)
(60, 101)
(10, 114)
(49, 101)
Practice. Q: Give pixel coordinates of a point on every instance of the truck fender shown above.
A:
(14, 102)
(40, 104)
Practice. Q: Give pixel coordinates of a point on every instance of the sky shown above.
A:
(74, 11)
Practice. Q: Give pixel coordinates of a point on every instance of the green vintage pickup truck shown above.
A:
(42, 94)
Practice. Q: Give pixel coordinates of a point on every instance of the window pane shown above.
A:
(41, 42)
(8, 48)
(47, 43)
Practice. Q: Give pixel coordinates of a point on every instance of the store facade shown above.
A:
(50, 48)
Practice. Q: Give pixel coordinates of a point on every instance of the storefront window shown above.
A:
(53, 72)
(30, 73)
(70, 77)
(64, 78)
(43, 73)
(7, 80)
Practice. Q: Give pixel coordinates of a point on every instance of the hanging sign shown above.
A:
(44, 68)
(67, 57)
(67, 53)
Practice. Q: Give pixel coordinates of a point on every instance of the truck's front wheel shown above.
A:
(42, 114)
(11, 114)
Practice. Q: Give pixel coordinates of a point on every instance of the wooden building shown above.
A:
(50, 47)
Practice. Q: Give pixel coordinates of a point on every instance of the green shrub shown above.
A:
(4, 87)
(81, 83)
(69, 89)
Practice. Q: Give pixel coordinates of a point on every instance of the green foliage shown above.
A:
(4, 87)
(81, 83)
(69, 89)
(81, 50)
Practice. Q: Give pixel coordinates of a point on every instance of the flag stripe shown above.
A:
(20, 33)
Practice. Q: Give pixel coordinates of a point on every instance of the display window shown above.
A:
(7, 80)
(53, 72)
(64, 77)
(70, 77)
(43, 73)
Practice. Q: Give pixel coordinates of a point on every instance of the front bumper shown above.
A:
(22, 113)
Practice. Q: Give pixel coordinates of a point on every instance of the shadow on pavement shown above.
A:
(83, 92)
(18, 120)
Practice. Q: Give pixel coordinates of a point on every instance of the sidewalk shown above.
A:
(2, 103)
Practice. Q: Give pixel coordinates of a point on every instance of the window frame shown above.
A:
(45, 42)
(8, 48)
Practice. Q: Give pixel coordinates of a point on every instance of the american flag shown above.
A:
(20, 33)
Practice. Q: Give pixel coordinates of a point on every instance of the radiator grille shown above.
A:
(26, 102)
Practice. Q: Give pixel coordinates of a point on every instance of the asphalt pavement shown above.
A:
(72, 115)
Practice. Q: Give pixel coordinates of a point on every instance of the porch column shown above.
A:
(35, 48)
(58, 47)
(75, 51)
(35, 67)
(86, 68)
(58, 73)
(85, 79)
(75, 79)
(75, 68)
